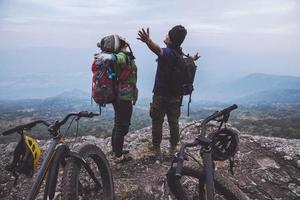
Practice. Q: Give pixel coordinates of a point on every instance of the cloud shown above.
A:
(61, 22)
(282, 9)
(237, 25)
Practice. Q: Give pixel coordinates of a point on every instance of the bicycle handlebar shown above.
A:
(217, 114)
(25, 126)
(53, 127)
(201, 140)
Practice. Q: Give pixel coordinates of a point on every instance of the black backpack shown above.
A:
(182, 77)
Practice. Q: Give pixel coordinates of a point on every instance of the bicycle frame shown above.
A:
(57, 152)
(207, 162)
(54, 150)
(206, 152)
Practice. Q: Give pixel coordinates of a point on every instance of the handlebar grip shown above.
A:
(10, 131)
(231, 108)
(87, 114)
(25, 126)
(94, 114)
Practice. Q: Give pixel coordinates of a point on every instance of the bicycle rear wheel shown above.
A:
(77, 183)
(191, 185)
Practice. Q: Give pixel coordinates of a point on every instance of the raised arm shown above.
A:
(145, 37)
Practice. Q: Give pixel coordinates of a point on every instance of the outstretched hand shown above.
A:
(144, 36)
(196, 56)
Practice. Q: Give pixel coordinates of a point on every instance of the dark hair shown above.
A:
(122, 44)
(177, 35)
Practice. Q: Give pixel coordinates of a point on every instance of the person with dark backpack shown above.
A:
(170, 85)
(114, 81)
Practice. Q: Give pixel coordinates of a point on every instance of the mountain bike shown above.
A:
(87, 174)
(200, 183)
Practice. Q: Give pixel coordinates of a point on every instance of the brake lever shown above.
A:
(219, 120)
(226, 117)
(52, 127)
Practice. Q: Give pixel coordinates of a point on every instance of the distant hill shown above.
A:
(263, 82)
(256, 86)
(68, 99)
(272, 96)
(73, 94)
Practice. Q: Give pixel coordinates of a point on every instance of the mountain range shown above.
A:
(255, 88)
(42, 72)
(252, 89)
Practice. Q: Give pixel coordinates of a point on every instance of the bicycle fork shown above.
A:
(52, 176)
(86, 166)
(209, 173)
(206, 154)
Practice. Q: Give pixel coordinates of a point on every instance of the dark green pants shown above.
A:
(160, 107)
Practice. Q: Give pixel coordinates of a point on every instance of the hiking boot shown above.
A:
(125, 152)
(111, 153)
(123, 159)
(172, 149)
(154, 149)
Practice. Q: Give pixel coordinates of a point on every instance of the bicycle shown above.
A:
(89, 159)
(220, 145)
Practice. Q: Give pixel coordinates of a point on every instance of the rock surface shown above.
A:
(265, 167)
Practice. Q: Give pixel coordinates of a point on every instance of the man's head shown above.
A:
(176, 35)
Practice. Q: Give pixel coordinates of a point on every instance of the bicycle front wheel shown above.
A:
(191, 185)
(77, 183)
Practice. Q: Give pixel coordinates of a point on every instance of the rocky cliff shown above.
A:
(265, 168)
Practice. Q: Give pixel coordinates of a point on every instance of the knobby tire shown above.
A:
(77, 184)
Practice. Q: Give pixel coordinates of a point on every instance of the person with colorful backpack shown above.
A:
(114, 81)
(170, 84)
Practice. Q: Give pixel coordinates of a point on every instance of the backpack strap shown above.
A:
(132, 57)
(181, 100)
(231, 165)
(92, 93)
(190, 100)
(115, 79)
(99, 110)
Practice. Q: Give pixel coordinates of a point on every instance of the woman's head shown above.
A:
(112, 44)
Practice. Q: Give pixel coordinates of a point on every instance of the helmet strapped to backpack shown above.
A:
(108, 80)
(26, 157)
(111, 43)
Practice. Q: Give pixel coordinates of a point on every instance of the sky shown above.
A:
(236, 37)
